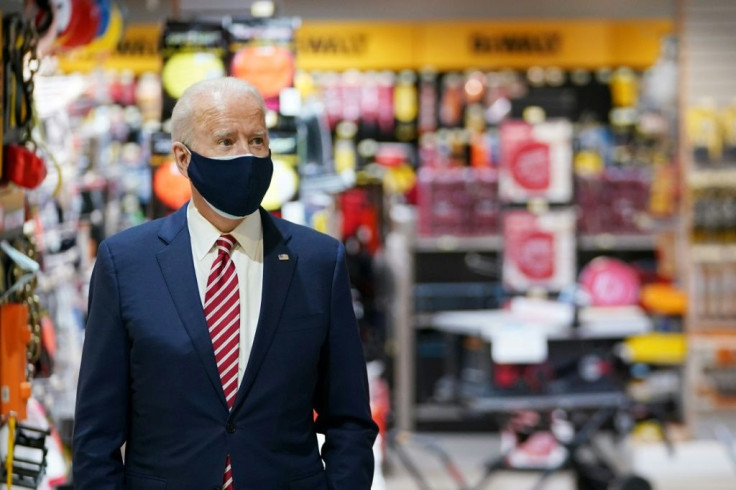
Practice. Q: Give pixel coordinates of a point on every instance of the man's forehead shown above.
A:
(219, 100)
(243, 108)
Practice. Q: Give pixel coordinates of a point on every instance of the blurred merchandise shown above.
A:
(712, 372)
(458, 201)
(713, 291)
(655, 348)
(539, 250)
(536, 161)
(714, 215)
(728, 123)
(711, 133)
(406, 106)
(192, 51)
(610, 282)
(170, 186)
(624, 89)
(261, 51)
(614, 201)
(664, 299)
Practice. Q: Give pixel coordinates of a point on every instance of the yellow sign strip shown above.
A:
(137, 51)
(483, 44)
(452, 45)
(358, 45)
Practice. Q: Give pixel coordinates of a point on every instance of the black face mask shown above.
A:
(233, 186)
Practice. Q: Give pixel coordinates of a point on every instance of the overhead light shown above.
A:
(262, 8)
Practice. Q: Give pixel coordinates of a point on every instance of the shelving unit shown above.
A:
(707, 33)
(605, 241)
(406, 248)
(449, 243)
(714, 177)
(494, 243)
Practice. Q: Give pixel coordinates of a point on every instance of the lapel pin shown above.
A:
(283, 256)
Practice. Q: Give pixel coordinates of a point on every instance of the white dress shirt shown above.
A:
(247, 255)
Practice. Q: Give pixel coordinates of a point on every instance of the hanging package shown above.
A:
(261, 52)
(192, 52)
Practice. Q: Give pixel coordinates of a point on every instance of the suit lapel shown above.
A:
(278, 268)
(178, 270)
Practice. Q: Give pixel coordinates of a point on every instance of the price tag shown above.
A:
(519, 344)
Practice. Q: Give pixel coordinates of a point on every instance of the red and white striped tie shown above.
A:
(222, 311)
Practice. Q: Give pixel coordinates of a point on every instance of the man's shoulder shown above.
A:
(136, 237)
(304, 236)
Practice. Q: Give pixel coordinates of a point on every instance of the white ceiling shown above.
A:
(445, 9)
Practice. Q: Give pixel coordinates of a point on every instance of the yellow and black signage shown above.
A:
(349, 45)
(482, 44)
(542, 43)
(360, 45)
(137, 50)
(330, 45)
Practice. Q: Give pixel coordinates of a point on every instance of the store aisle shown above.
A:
(702, 465)
(469, 451)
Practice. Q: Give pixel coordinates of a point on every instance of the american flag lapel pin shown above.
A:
(283, 256)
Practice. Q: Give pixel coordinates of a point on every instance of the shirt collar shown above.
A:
(248, 234)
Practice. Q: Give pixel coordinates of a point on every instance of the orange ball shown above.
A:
(170, 186)
(268, 68)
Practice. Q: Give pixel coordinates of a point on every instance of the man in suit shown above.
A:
(215, 333)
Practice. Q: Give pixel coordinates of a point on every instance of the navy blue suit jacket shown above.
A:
(148, 376)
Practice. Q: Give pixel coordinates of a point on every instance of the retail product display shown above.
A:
(458, 201)
(573, 175)
(610, 282)
(261, 52)
(191, 52)
(614, 201)
(523, 237)
(536, 162)
(540, 250)
(712, 133)
(25, 354)
(713, 366)
(711, 161)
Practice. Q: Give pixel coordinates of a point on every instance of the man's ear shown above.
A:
(182, 156)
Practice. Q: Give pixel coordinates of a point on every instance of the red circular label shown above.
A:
(536, 255)
(530, 166)
(610, 282)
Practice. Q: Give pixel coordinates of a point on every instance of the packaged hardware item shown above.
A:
(704, 133)
(614, 201)
(610, 282)
(728, 123)
(536, 161)
(427, 102)
(192, 52)
(261, 52)
(458, 201)
(406, 107)
(539, 250)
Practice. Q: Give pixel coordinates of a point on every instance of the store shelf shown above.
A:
(705, 253)
(494, 243)
(715, 177)
(699, 325)
(496, 404)
(486, 323)
(436, 412)
(609, 241)
(450, 243)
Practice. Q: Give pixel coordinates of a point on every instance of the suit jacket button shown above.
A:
(230, 427)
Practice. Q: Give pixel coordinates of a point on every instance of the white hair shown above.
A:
(183, 116)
